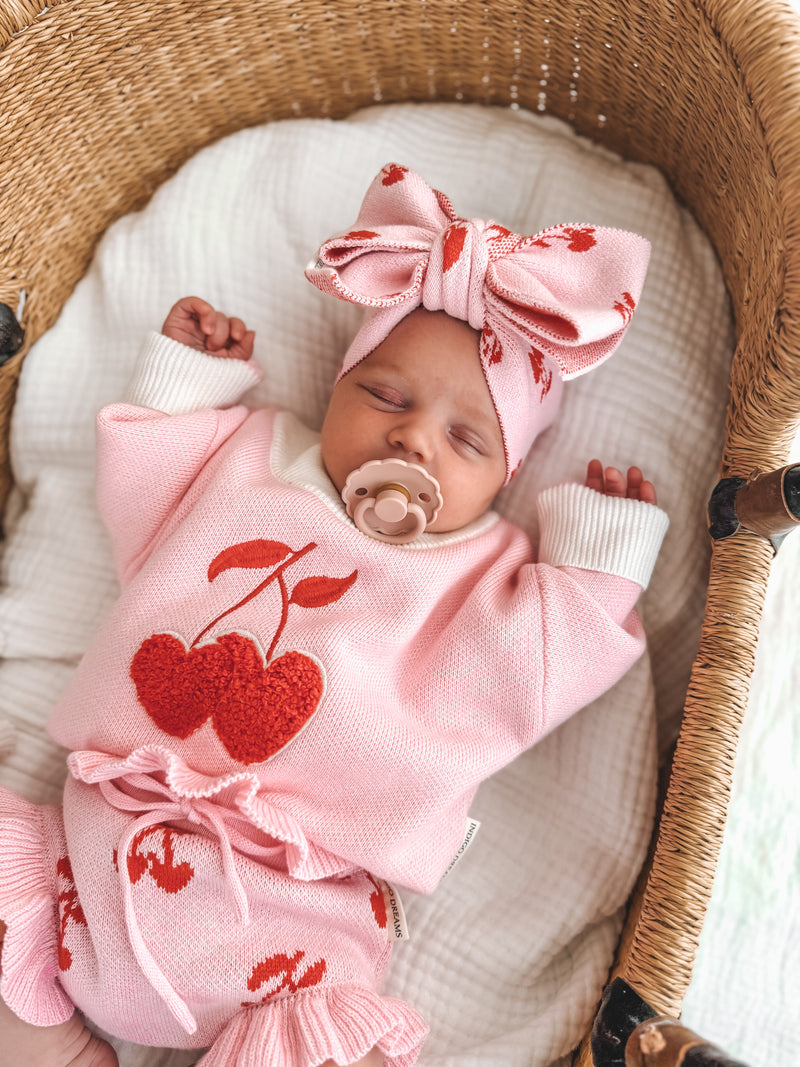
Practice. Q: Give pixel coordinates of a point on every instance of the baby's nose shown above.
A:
(413, 438)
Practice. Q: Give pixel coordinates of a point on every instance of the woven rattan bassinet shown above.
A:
(103, 99)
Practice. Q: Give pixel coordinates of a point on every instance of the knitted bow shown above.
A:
(549, 306)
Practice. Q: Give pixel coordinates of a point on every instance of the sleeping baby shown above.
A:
(324, 643)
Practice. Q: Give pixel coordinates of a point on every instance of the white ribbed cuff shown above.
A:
(583, 528)
(176, 379)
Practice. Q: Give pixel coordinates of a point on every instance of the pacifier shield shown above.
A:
(392, 500)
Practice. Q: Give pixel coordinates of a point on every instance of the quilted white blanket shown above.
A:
(508, 957)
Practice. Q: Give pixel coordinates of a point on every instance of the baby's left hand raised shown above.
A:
(612, 482)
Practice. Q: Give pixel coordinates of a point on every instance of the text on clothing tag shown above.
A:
(396, 925)
(469, 836)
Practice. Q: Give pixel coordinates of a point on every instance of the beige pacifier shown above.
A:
(392, 500)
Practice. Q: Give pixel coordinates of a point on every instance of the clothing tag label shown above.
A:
(396, 925)
(469, 836)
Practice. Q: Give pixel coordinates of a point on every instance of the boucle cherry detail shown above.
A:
(256, 705)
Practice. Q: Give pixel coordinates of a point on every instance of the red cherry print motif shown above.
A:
(626, 307)
(378, 903)
(358, 235)
(256, 705)
(578, 238)
(453, 245)
(70, 910)
(541, 374)
(393, 173)
(281, 972)
(168, 875)
(491, 349)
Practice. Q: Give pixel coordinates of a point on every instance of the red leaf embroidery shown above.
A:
(453, 244)
(318, 591)
(248, 554)
(393, 173)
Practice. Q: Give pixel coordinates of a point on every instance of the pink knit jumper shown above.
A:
(279, 714)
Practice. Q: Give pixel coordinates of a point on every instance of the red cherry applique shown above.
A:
(178, 686)
(256, 705)
(264, 707)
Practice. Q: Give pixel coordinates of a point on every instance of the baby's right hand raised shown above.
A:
(194, 322)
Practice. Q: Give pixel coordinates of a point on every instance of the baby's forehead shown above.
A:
(453, 375)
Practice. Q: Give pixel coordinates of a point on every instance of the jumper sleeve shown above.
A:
(583, 528)
(151, 449)
(596, 554)
(176, 379)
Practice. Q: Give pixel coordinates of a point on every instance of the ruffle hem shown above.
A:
(340, 1023)
(28, 906)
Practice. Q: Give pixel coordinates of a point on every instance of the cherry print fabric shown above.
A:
(224, 980)
(245, 588)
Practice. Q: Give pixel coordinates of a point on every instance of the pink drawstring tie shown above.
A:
(195, 810)
(156, 782)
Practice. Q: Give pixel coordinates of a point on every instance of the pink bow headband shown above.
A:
(549, 306)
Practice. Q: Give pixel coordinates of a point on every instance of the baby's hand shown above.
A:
(197, 324)
(613, 482)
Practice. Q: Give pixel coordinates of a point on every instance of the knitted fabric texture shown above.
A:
(252, 726)
(549, 306)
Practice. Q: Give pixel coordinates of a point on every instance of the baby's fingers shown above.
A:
(241, 348)
(639, 488)
(594, 475)
(215, 328)
(647, 493)
(606, 480)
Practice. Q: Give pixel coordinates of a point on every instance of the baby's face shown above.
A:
(421, 396)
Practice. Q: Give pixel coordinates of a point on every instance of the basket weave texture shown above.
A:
(104, 99)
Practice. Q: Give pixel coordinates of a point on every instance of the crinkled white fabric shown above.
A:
(508, 957)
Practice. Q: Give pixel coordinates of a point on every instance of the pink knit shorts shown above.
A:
(165, 933)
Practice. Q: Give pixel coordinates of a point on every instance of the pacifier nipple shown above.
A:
(392, 500)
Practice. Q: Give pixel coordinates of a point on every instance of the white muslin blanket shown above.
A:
(507, 959)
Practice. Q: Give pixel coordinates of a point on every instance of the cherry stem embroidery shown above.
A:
(277, 573)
